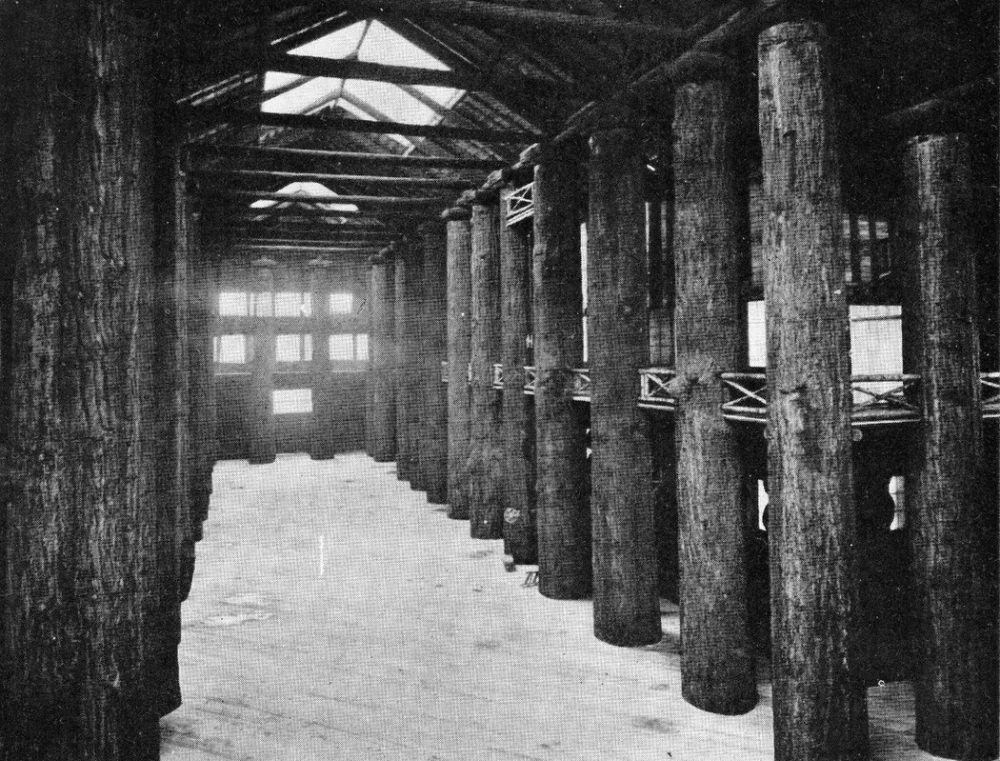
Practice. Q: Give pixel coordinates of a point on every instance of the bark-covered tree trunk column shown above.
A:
(626, 601)
(956, 685)
(413, 389)
(717, 668)
(459, 252)
(564, 564)
(262, 441)
(382, 436)
(78, 493)
(518, 413)
(819, 699)
(404, 335)
(434, 424)
(485, 470)
(321, 445)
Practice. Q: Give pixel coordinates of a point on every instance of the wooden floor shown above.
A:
(337, 615)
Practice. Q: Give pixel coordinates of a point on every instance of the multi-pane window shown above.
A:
(231, 349)
(361, 346)
(341, 347)
(341, 303)
(293, 347)
(234, 303)
(292, 304)
(292, 401)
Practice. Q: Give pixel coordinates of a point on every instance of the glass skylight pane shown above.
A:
(382, 45)
(274, 80)
(391, 100)
(304, 98)
(339, 44)
(446, 96)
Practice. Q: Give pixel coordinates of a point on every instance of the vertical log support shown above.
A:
(413, 390)
(819, 701)
(459, 250)
(382, 415)
(485, 470)
(202, 298)
(434, 423)
(78, 494)
(717, 668)
(626, 601)
(518, 413)
(262, 441)
(564, 552)
(956, 685)
(321, 445)
(403, 353)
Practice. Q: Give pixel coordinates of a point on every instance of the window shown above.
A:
(341, 303)
(341, 347)
(234, 303)
(292, 401)
(361, 347)
(263, 304)
(231, 349)
(293, 347)
(292, 304)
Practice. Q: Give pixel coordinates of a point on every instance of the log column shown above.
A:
(956, 685)
(717, 668)
(322, 444)
(413, 388)
(485, 470)
(564, 564)
(382, 415)
(78, 496)
(518, 412)
(262, 442)
(404, 353)
(459, 251)
(626, 602)
(819, 700)
(434, 424)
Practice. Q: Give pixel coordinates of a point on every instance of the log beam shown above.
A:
(519, 527)
(818, 696)
(459, 251)
(626, 602)
(717, 667)
(434, 307)
(955, 686)
(564, 564)
(316, 159)
(271, 176)
(373, 201)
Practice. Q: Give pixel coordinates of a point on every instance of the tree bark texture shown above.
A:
(459, 344)
(564, 562)
(818, 696)
(322, 444)
(202, 297)
(717, 666)
(261, 447)
(80, 509)
(411, 393)
(434, 423)
(518, 412)
(383, 412)
(485, 469)
(626, 601)
(403, 332)
(956, 685)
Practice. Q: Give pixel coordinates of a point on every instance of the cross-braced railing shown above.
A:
(653, 391)
(990, 383)
(520, 205)
(498, 376)
(749, 397)
(530, 378)
(884, 399)
(581, 382)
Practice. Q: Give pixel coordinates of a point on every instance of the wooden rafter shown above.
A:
(341, 158)
(266, 175)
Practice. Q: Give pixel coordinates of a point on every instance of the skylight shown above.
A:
(301, 193)
(372, 42)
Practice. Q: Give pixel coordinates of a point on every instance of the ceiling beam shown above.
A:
(330, 123)
(332, 178)
(239, 247)
(339, 68)
(478, 13)
(245, 212)
(342, 158)
(345, 243)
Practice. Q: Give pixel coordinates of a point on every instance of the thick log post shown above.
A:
(819, 699)
(626, 602)
(564, 563)
(485, 470)
(202, 298)
(262, 442)
(459, 343)
(717, 667)
(956, 685)
(382, 416)
(434, 423)
(404, 353)
(321, 445)
(413, 390)
(79, 490)
(518, 411)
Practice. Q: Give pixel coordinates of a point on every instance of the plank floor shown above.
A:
(335, 614)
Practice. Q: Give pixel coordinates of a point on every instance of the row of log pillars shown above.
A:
(107, 402)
